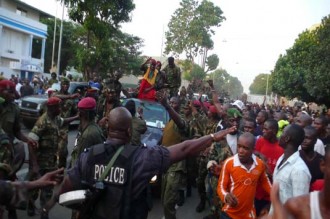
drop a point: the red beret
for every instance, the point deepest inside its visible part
(53, 101)
(196, 103)
(87, 103)
(7, 84)
(213, 109)
(153, 62)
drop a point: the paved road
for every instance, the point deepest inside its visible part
(59, 212)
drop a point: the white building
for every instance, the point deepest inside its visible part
(22, 39)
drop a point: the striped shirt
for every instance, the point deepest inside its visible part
(242, 183)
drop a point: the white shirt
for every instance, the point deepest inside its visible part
(293, 177)
(232, 142)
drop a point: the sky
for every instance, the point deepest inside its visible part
(248, 42)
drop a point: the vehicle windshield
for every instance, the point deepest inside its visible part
(154, 114)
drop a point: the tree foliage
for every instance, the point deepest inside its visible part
(259, 84)
(70, 43)
(103, 47)
(304, 70)
(194, 72)
(228, 85)
(191, 28)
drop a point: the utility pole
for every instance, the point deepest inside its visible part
(60, 44)
(54, 40)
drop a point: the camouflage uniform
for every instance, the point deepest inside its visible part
(9, 122)
(175, 177)
(86, 138)
(11, 196)
(210, 127)
(196, 124)
(68, 108)
(139, 127)
(219, 152)
(46, 131)
(173, 79)
(5, 153)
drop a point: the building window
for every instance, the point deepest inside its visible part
(21, 12)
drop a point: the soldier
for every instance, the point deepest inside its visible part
(219, 152)
(114, 82)
(105, 105)
(210, 127)
(13, 193)
(175, 131)
(68, 108)
(121, 197)
(10, 123)
(173, 76)
(139, 126)
(89, 133)
(46, 132)
(53, 79)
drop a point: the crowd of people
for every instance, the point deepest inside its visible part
(233, 152)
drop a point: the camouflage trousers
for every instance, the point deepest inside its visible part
(215, 201)
(202, 173)
(45, 193)
(62, 152)
(172, 182)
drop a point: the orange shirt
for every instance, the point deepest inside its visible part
(242, 183)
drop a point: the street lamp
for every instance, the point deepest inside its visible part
(267, 81)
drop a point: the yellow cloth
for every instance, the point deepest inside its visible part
(152, 80)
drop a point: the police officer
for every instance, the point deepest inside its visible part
(132, 170)
(46, 131)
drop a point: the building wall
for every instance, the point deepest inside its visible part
(16, 36)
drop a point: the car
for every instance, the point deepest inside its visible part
(156, 117)
(33, 106)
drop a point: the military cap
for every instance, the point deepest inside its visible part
(7, 84)
(87, 103)
(233, 113)
(65, 80)
(196, 103)
(153, 62)
(53, 101)
(213, 109)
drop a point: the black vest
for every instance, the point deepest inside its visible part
(115, 203)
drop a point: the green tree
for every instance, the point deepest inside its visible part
(304, 70)
(196, 72)
(70, 43)
(259, 84)
(105, 47)
(191, 28)
(227, 85)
